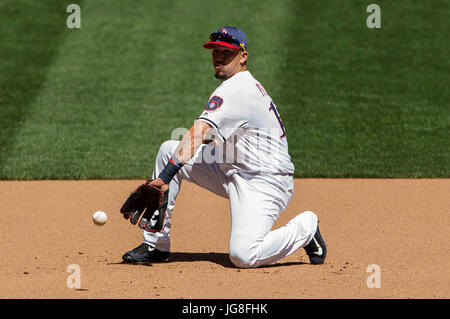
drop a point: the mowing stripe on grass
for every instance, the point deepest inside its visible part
(355, 102)
(360, 102)
(30, 33)
(126, 79)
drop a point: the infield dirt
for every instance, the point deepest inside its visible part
(401, 225)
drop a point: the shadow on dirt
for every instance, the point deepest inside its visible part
(221, 259)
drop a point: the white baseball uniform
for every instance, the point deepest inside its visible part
(250, 166)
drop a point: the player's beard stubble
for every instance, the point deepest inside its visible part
(223, 75)
(220, 75)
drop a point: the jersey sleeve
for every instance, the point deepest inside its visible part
(226, 113)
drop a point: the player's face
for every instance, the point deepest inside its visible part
(227, 61)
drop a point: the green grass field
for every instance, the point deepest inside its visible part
(97, 102)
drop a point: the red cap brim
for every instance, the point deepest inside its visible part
(210, 45)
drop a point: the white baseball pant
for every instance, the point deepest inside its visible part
(256, 201)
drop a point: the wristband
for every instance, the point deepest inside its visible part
(170, 170)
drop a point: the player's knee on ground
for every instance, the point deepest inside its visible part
(243, 253)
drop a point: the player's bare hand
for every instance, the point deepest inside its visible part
(159, 183)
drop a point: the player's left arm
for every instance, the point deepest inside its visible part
(198, 134)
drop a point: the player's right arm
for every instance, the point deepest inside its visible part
(198, 134)
(153, 195)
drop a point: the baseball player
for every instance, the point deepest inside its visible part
(237, 149)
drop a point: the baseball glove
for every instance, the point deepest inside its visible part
(149, 202)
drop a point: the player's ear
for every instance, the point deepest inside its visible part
(244, 57)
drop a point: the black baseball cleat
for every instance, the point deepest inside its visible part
(144, 254)
(316, 249)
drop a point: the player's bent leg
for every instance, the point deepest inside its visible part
(205, 175)
(244, 251)
(265, 247)
(161, 240)
(255, 205)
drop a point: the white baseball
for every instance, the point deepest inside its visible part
(99, 218)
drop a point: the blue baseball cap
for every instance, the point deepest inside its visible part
(230, 37)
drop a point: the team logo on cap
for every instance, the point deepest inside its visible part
(214, 103)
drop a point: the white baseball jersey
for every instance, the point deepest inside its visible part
(255, 174)
(247, 121)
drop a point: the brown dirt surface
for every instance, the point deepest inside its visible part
(401, 225)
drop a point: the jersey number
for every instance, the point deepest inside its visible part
(275, 111)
